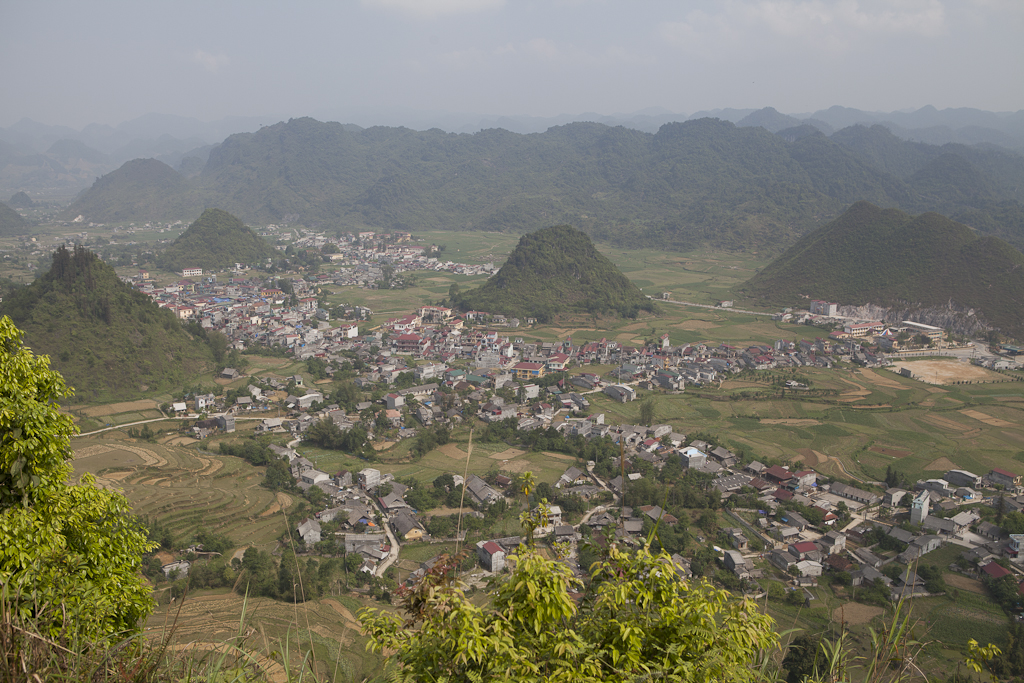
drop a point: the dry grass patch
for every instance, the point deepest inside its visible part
(810, 457)
(879, 380)
(945, 423)
(791, 421)
(695, 325)
(507, 454)
(945, 371)
(987, 419)
(964, 583)
(452, 451)
(126, 407)
(854, 613)
(941, 464)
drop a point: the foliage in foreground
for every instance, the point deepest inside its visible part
(69, 554)
(637, 620)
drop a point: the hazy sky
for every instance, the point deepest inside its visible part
(78, 62)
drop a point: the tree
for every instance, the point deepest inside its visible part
(638, 622)
(70, 555)
(647, 411)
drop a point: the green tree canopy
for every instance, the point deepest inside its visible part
(638, 621)
(69, 554)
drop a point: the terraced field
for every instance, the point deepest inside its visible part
(186, 489)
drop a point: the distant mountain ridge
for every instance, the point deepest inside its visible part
(551, 272)
(701, 182)
(887, 257)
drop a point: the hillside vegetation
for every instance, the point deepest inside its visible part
(108, 340)
(702, 182)
(12, 222)
(888, 257)
(216, 240)
(555, 271)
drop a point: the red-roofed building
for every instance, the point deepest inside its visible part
(801, 550)
(777, 474)
(1003, 477)
(995, 570)
(492, 557)
(783, 495)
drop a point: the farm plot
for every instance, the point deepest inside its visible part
(186, 489)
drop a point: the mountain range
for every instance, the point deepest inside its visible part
(38, 158)
(700, 182)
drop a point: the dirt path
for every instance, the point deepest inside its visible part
(791, 422)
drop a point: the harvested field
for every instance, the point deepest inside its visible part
(791, 422)
(945, 423)
(506, 454)
(695, 325)
(892, 452)
(987, 419)
(945, 371)
(126, 407)
(452, 451)
(881, 381)
(383, 446)
(515, 466)
(810, 457)
(854, 613)
(941, 464)
(559, 456)
(964, 583)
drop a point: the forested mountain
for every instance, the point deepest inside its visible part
(890, 258)
(216, 240)
(555, 271)
(12, 222)
(704, 181)
(108, 340)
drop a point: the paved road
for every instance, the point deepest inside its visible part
(717, 308)
(155, 419)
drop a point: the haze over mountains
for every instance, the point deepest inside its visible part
(61, 160)
(704, 181)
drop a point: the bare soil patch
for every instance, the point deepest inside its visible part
(945, 371)
(791, 421)
(987, 419)
(507, 454)
(892, 452)
(942, 464)
(181, 441)
(964, 583)
(854, 613)
(383, 446)
(125, 407)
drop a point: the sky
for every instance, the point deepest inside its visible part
(74, 63)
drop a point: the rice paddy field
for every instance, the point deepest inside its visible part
(851, 422)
